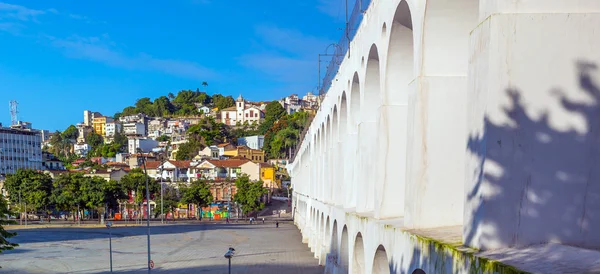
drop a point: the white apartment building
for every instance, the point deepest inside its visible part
(146, 145)
(19, 149)
(253, 142)
(82, 149)
(137, 129)
(112, 128)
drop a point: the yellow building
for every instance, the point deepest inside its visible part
(267, 175)
(99, 124)
(246, 152)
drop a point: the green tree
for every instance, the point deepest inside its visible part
(129, 111)
(66, 193)
(170, 199)
(94, 139)
(135, 180)
(248, 194)
(273, 112)
(5, 235)
(35, 188)
(197, 193)
(113, 192)
(144, 105)
(163, 107)
(163, 138)
(70, 133)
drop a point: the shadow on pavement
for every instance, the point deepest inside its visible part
(40, 235)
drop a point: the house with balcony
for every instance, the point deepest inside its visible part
(218, 169)
(174, 171)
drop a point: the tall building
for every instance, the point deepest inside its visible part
(100, 124)
(253, 142)
(20, 148)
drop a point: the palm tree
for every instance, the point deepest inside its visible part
(171, 95)
(205, 84)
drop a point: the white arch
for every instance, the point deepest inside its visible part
(380, 262)
(393, 116)
(344, 257)
(437, 116)
(358, 261)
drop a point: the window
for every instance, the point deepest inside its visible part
(246, 115)
(251, 113)
(226, 115)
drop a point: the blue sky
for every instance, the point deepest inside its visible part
(58, 58)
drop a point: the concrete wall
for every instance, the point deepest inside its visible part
(472, 113)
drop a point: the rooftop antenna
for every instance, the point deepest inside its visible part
(13, 112)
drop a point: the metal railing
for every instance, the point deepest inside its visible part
(354, 20)
(343, 46)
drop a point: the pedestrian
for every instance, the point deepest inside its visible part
(277, 224)
(263, 220)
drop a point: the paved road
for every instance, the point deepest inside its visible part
(175, 249)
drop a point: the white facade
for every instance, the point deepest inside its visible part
(146, 145)
(241, 112)
(137, 129)
(82, 149)
(112, 128)
(253, 142)
(19, 149)
(465, 120)
(204, 110)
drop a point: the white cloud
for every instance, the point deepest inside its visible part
(103, 50)
(20, 13)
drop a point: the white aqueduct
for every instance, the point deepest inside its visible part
(457, 133)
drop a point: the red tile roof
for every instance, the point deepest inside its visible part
(223, 145)
(180, 164)
(152, 164)
(229, 162)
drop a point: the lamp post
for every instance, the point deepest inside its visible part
(147, 209)
(229, 255)
(108, 225)
(162, 190)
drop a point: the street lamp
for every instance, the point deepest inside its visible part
(147, 208)
(229, 255)
(108, 225)
(162, 211)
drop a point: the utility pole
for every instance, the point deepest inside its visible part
(147, 211)
(162, 191)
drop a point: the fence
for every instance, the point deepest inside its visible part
(354, 20)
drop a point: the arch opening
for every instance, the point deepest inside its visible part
(380, 262)
(354, 103)
(344, 257)
(372, 86)
(358, 262)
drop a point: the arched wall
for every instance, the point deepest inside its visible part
(336, 160)
(393, 116)
(366, 131)
(345, 153)
(437, 116)
(353, 143)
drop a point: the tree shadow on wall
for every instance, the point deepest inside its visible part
(541, 182)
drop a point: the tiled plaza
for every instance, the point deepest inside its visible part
(183, 248)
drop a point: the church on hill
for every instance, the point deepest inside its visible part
(242, 111)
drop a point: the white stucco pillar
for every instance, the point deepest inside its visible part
(351, 183)
(391, 161)
(366, 170)
(340, 190)
(534, 95)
